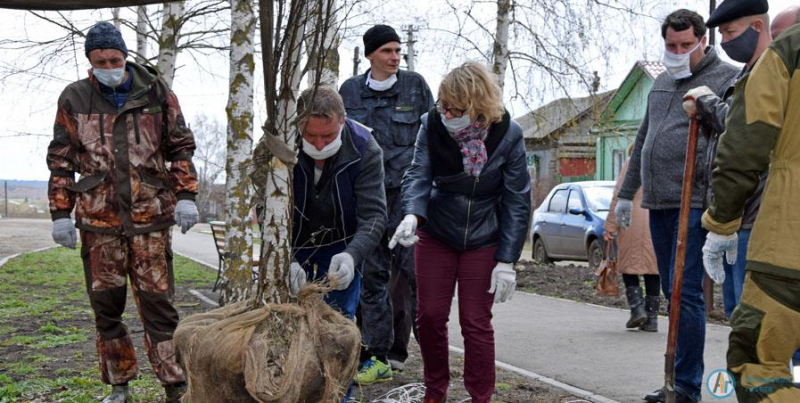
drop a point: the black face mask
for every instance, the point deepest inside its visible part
(743, 46)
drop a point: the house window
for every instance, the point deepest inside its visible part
(618, 159)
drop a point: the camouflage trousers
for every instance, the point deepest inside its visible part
(765, 332)
(108, 261)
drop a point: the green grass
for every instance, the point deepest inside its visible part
(43, 300)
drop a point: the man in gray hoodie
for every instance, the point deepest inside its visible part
(657, 166)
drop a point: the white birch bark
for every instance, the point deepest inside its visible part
(276, 245)
(141, 34)
(238, 229)
(329, 66)
(168, 41)
(500, 50)
(115, 15)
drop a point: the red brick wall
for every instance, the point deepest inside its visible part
(576, 166)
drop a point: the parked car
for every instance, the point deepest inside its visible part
(568, 225)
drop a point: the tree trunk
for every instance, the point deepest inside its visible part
(238, 229)
(500, 50)
(276, 246)
(328, 65)
(115, 18)
(141, 34)
(168, 42)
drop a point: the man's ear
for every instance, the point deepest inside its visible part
(758, 25)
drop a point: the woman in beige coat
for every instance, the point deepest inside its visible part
(635, 257)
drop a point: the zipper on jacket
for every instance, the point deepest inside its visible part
(102, 130)
(136, 126)
(469, 210)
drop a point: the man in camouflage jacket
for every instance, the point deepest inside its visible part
(118, 129)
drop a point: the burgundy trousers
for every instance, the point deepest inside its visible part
(439, 268)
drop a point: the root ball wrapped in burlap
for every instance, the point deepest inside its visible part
(304, 352)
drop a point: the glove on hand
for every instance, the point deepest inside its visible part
(64, 233)
(404, 234)
(186, 215)
(503, 282)
(623, 212)
(717, 245)
(343, 269)
(691, 97)
(297, 278)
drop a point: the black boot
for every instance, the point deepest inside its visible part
(638, 314)
(651, 305)
(174, 392)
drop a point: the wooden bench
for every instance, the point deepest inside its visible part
(218, 232)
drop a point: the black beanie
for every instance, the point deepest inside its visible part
(378, 36)
(104, 35)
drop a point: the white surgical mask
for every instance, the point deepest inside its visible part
(109, 77)
(455, 125)
(328, 151)
(679, 66)
(381, 85)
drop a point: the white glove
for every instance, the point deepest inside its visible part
(64, 233)
(691, 97)
(186, 215)
(717, 245)
(623, 212)
(342, 269)
(297, 278)
(404, 234)
(503, 282)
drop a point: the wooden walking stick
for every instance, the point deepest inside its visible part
(680, 257)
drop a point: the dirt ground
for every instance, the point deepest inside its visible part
(577, 283)
(509, 386)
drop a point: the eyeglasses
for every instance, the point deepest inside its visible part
(454, 112)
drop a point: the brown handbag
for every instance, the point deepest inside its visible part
(606, 283)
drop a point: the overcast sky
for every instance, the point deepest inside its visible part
(28, 104)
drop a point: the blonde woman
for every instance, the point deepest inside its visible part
(468, 191)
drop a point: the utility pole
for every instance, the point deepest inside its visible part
(356, 60)
(410, 29)
(6, 186)
(711, 35)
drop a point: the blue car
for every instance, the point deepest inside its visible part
(568, 225)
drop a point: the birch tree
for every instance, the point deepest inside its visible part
(141, 35)
(237, 277)
(168, 40)
(500, 50)
(285, 27)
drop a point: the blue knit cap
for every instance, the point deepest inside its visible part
(104, 35)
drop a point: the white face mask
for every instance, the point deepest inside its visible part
(328, 151)
(109, 77)
(381, 85)
(455, 125)
(679, 66)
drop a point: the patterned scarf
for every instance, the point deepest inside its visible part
(473, 150)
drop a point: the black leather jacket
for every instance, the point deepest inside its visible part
(466, 213)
